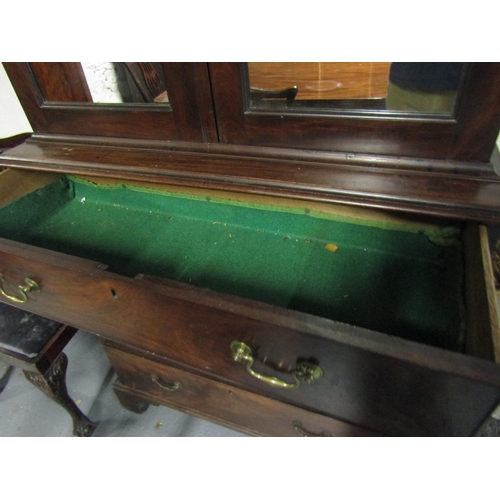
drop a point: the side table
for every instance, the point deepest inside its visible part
(35, 345)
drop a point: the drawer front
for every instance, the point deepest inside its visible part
(222, 403)
(372, 380)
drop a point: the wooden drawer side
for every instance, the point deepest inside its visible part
(483, 325)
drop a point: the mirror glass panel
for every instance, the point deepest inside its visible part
(360, 86)
(102, 82)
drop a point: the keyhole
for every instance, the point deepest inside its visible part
(114, 294)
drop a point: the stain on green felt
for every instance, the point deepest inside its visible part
(389, 279)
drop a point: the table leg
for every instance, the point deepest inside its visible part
(53, 384)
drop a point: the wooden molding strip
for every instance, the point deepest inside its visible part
(465, 194)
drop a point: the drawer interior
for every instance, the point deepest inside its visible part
(401, 278)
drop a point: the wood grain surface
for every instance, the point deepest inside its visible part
(222, 403)
(323, 80)
(420, 188)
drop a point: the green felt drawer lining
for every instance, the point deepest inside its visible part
(389, 278)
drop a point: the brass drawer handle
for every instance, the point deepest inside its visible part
(167, 387)
(31, 286)
(300, 429)
(308, 372)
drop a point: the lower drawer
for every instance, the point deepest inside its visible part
(221, 403)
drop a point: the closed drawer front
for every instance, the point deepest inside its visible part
(221, 403)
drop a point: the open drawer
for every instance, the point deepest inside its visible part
(384, 322)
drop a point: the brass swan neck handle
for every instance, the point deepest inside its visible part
(31, 286)
(305, 371)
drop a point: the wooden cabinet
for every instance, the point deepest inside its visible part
(56, 99)
(254, 283)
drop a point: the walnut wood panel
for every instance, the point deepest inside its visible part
(190, 119)
(62, 82)
(372, 380)
(222, 403)
(323, 80)
(191, 99)
(425, 188)
(376, 133)
(478, 116)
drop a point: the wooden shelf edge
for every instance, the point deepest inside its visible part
(439, 189)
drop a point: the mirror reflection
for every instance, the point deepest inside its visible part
(399, 86)
(127, 82)
(102, 82)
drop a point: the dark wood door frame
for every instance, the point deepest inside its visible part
(461, 137)
(189, 117)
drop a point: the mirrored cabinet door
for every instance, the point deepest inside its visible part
(142, 100)
(427, 110)
(444, 111)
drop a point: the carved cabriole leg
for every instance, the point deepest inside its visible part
(53, 384)
(129, 401)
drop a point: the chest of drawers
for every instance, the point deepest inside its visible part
(281, 271)
(237, 308)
